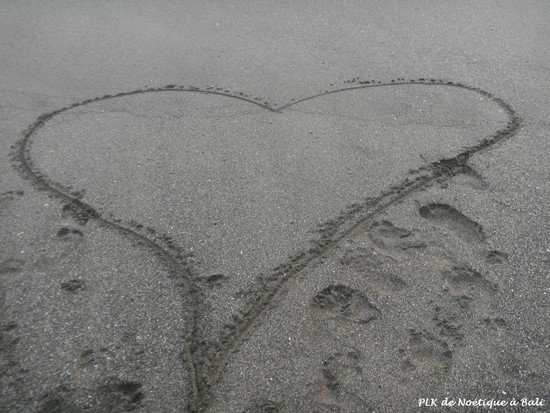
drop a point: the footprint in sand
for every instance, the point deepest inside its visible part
(267, 406)
(114, 395)
(119, 395)
(496, 257)
(470, 296)
(362, 258)
(467, 284)
(380, 281)
(469, 178)
(428, 358)
(214, 280)
(384, 243)
(340, 301)
(341, 382)
(57, 400)
(7, 197)
(385, 235)
(68, 234)
(62, 245)
(11, 265)
(447, 217)
(73, 285)
(449, 319)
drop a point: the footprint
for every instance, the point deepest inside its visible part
(11, 194)
(496, 257)
(498, 322)
(364, 261)
(78, 211)
(62, 245)
(446, 216)
(86, 357)
(470, 177)
(385, 235)
(341, 382)
(362, 258)
(339, 368)
(385, 282)
(215, 280)
(10, 266)
(385, 230)
(449, 319)
(266, 406)
(468, 283)
(494, 323)
(7, 197)
(469, 299)
(73, 285)
(119, 396)
(67, 234)
(114, 395)
(456, 320)
(57, 400)
(512, 366)
(385, 242)
(340, 301)
(429, 358)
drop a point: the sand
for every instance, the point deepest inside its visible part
(351, 223)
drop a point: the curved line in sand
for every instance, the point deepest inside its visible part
(342, 226)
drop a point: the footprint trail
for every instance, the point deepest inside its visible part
(205, 370)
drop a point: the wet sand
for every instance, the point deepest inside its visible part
(351, 223)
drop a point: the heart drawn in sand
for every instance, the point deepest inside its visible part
(248, 192)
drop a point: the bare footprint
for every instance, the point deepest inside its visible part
(445, 216)
(340, 301)
(470, 177)
(57, 400)
(384, 243)
(450, 319)
(62, 245)
(341, 382)
(384, 234)
(119, 395)
(267, 406)
(468, 283)
(73, 285)
(68, 234)
(428, 358)
(113, 395)
(362, 258)
(7, 197)
(465, 306)
(11, 265)
(496, 257)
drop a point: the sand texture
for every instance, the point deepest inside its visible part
(233, 207)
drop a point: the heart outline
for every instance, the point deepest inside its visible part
(332, 232)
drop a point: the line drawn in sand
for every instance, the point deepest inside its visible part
(205, 371)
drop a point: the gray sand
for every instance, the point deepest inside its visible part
(255, 208)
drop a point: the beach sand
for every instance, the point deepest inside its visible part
(259, 208)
